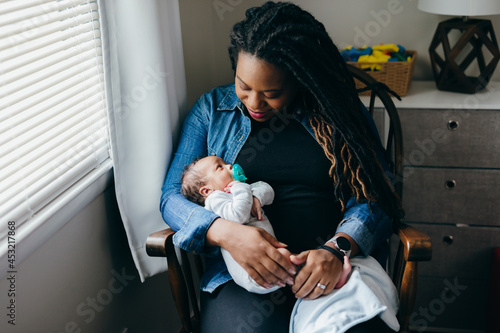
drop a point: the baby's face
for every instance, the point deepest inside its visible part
(218, 173)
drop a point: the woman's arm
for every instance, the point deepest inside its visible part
(367, 224)
(189, 220)
(254, 249)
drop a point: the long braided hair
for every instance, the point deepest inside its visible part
(291, 39)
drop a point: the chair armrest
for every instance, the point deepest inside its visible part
(417, 245)
(158, 242)
(414, 246)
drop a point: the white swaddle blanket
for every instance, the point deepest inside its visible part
(368, 293)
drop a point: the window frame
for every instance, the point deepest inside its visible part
(24, 239)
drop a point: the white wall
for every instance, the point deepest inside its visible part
(83, 280)
(206, 30)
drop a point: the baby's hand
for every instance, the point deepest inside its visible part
(346, 269)
(227, 189)
(256, 209)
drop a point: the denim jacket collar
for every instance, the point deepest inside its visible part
(230, 102)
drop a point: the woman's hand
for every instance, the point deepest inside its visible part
(320, 267)
(253, 249)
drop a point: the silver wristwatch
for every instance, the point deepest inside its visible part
(342, 244)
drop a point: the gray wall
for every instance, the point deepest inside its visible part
(205, 32)
(83, 280)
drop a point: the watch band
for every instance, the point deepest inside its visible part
(336, 253)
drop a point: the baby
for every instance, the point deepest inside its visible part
(210, 181)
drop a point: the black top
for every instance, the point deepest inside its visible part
(281, 152)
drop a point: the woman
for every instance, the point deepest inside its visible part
(292, 119)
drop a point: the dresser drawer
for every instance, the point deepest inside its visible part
(440, 195)
(460, 138)
(450, 305)
(464, 252)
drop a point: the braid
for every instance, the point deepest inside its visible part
(293, 40)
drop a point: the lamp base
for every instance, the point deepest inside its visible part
(450, 70)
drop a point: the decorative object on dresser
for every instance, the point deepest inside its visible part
(451, 192)
(454, 61)
(389, 64)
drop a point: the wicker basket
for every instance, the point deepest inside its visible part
(396, 75)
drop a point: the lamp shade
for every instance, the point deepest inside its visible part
(460, 7)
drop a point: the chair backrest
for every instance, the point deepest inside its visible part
(394, 140)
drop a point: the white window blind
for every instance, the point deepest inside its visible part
(53, 120)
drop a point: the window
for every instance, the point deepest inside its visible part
(53, 120)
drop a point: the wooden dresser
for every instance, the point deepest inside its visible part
(452, 193)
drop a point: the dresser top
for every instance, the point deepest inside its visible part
(425, 95)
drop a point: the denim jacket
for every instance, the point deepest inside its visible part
(216, 125)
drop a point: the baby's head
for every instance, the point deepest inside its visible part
(205, 175)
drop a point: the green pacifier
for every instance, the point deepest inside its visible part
(238, 173)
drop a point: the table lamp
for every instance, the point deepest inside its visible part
(463, 47)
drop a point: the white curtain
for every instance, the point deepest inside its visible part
(145, 86)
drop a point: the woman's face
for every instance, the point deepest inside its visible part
(263, 88)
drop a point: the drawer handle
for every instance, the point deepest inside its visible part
(450, 184)
(452, 125)
(448, 240)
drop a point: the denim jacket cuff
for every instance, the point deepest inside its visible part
(359, 232)
(191, 237)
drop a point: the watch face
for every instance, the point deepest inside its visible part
(343, 243)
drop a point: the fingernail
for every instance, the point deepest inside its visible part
(281, 284)
(292, 271)
(290, 281)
